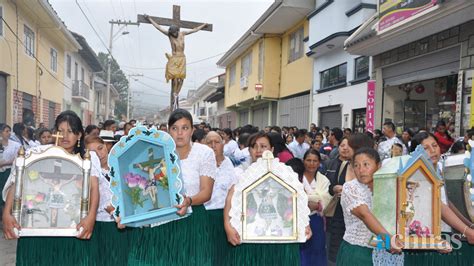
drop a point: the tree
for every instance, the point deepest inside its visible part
(118, 80)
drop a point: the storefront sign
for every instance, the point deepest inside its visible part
(457, 119)
(370, 110)
(392, 12)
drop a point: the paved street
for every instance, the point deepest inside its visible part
(7, 250)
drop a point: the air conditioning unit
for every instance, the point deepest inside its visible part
(244, 83)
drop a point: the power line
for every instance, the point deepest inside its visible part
(162, 68)
(92, 15)
(95, 31)
(151, 87)
(34, 56)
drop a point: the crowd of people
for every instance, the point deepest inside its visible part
(335, 166)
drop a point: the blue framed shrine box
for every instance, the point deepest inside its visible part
(145, 178)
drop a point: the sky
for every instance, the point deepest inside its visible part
(142, 50)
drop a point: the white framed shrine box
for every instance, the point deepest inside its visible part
(145, 178)
(269, 204)
(51, 192)
(407, 201)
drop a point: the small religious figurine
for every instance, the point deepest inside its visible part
(151, 189)
(266, 210)
(410, 207)
(56, 197)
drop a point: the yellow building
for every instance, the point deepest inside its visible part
(33, 42)
(268, 75)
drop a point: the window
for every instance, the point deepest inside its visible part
(68, 66)
(361, 67)
(1, 21)
(232, 75)
(246, 67)
(82, 74)
(202, 111)
(260, 61)
(334, 76)
(296, 45)
(29, 42)
(54, 59)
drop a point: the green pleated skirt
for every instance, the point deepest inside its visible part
(181, 242)
(462, 254)
(112, 243)
(201, 240)
(49, 251)
(353, 255)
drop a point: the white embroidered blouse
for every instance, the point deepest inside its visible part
(105, 197)
(224, 179)
(355, 194)
(201, 161)
(9, 153)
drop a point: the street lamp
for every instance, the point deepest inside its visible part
(112, 38)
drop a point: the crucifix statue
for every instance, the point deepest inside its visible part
(176, 66)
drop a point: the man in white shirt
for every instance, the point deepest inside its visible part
(385, 147)
(298, 147)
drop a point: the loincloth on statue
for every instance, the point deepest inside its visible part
(176, 67)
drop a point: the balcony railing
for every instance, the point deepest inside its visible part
(80, 91)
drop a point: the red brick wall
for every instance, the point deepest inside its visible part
(39, 117)
(45, 113)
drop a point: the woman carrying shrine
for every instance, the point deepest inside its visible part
(258, 254)
(58, 250)
(185, 241)
(462, 251)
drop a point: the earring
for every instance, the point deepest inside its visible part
(78, 143)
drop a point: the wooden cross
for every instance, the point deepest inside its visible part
(152, 162)
(176, 20)
(268, 156)
(57, 136)
(57, 173)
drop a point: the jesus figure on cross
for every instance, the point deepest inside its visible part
(176, 66)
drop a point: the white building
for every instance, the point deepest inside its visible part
(99, 99)
(202, 110)
(79, 78)
(223, 117)
(339, 78)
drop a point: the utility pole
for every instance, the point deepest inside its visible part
(129, 92)
(109, 63)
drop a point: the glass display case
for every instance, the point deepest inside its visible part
(414, 114)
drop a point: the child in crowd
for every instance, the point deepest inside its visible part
(361, 224)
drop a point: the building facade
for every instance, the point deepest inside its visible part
(79, 94)
(33, 44)
(223, 118)
(339, 93)
(268, 76)
(100, 92)
(422, 65)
